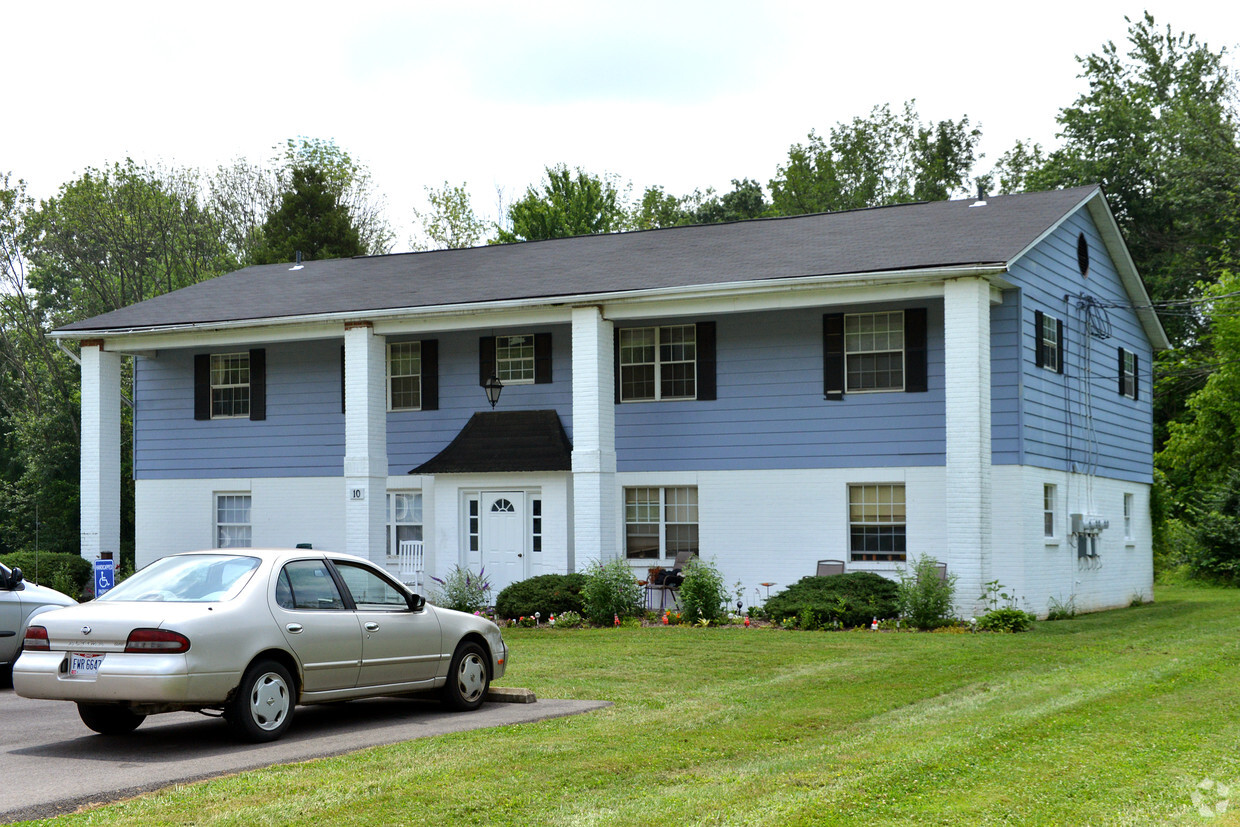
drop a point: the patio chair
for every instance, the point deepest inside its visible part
(942, 572)
(826, 568)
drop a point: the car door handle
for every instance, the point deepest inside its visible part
(294, 628)
(372, 626)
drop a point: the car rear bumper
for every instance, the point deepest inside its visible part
(137, 678)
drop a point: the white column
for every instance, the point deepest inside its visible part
(966, 311)
(594, 438)
(365, 442)
(100, 475)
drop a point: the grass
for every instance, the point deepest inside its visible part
(1112, 718)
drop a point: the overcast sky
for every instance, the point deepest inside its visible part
(682, 94)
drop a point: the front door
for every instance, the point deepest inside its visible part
(503, 538)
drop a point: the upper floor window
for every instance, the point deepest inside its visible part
(405, 376)
(874, 352)
(1048, 341)
(231, 385)
(514, 359)
(658, 363)
(1127, 373)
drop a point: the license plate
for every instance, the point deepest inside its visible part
(85, 667)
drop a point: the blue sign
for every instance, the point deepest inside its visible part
(105, 576)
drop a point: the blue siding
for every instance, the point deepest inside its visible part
(1006, 373)
(417, 436)
(770, 412)
(302, 436)
(1078, 421)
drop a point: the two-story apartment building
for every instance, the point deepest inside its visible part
(968, 380)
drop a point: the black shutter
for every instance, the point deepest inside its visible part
(1136, 377)
(1039, 354)
(486, 359)
(258, 384)
(1121, 372)
(915, 350)
(833, 356)
(542, 358)
(1063, 345)
(706, 384)
(615, 354)
(342, 378)
(202, 386)
(430, 374)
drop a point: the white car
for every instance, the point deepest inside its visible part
(252, 633)
(21, 600)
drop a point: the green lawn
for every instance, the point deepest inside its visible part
(1112, 718)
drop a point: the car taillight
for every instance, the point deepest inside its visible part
(36, 640)
(156, 640)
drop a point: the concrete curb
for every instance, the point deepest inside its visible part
(510, 695)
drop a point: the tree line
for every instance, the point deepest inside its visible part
(1156, 127)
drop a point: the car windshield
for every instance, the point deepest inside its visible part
(191, 578)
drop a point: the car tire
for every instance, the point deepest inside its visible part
(110, 719)
(468, 678)
(262, 707)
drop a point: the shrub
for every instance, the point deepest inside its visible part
(853, 599)
(568, 620)
(1006, 619)
(549, 594)
(927, 600)
(1057, 609)
(463, 590)
(1216, 556)
(610, 590)
(67, 573)
(702, 593)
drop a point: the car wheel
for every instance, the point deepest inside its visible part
(110, 719)
(262, 707)
(468, 678)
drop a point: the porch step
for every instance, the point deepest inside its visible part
(510, 695)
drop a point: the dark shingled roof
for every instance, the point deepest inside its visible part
(900, 237)
(505, 441)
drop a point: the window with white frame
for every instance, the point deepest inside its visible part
(404, 376)
(1128, 375)
(874, 351)
(1049, 342)
(658, 363)
(514, 359)
(1048, 510)
(404, 519)
(536, 524)
(232, 521)
(876, 522)
(660, 521)
(1127, 516)
(473, 522)
(230, 385)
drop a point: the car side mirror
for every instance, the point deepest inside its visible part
(416, 602)
(15, 579)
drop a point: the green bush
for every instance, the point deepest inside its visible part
(610, 590)
(568, 620)
(1216, 528)
(852, 599)
(927, 600)
(702, 593)
(463, 591)
(68, 573)
(1007, 619)
(548, 594)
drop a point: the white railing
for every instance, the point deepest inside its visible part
(412, 562)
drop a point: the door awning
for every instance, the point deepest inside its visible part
(494, 441)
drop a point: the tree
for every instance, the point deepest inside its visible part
(883, 159)
(746, 200)
(567, 204)
(656, 208)
(450, 223)
(310, 221)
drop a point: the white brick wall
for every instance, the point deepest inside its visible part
(365, 459)
(100, 471)
(594, 436)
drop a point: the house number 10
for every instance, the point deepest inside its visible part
(357, 494)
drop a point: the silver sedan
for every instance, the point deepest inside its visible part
(251, 633)
(21, 600)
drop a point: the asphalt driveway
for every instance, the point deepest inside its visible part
(62, 765)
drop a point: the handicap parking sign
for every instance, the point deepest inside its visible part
(105, 576)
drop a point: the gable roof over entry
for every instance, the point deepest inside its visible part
(903, 238)
(494, 441)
